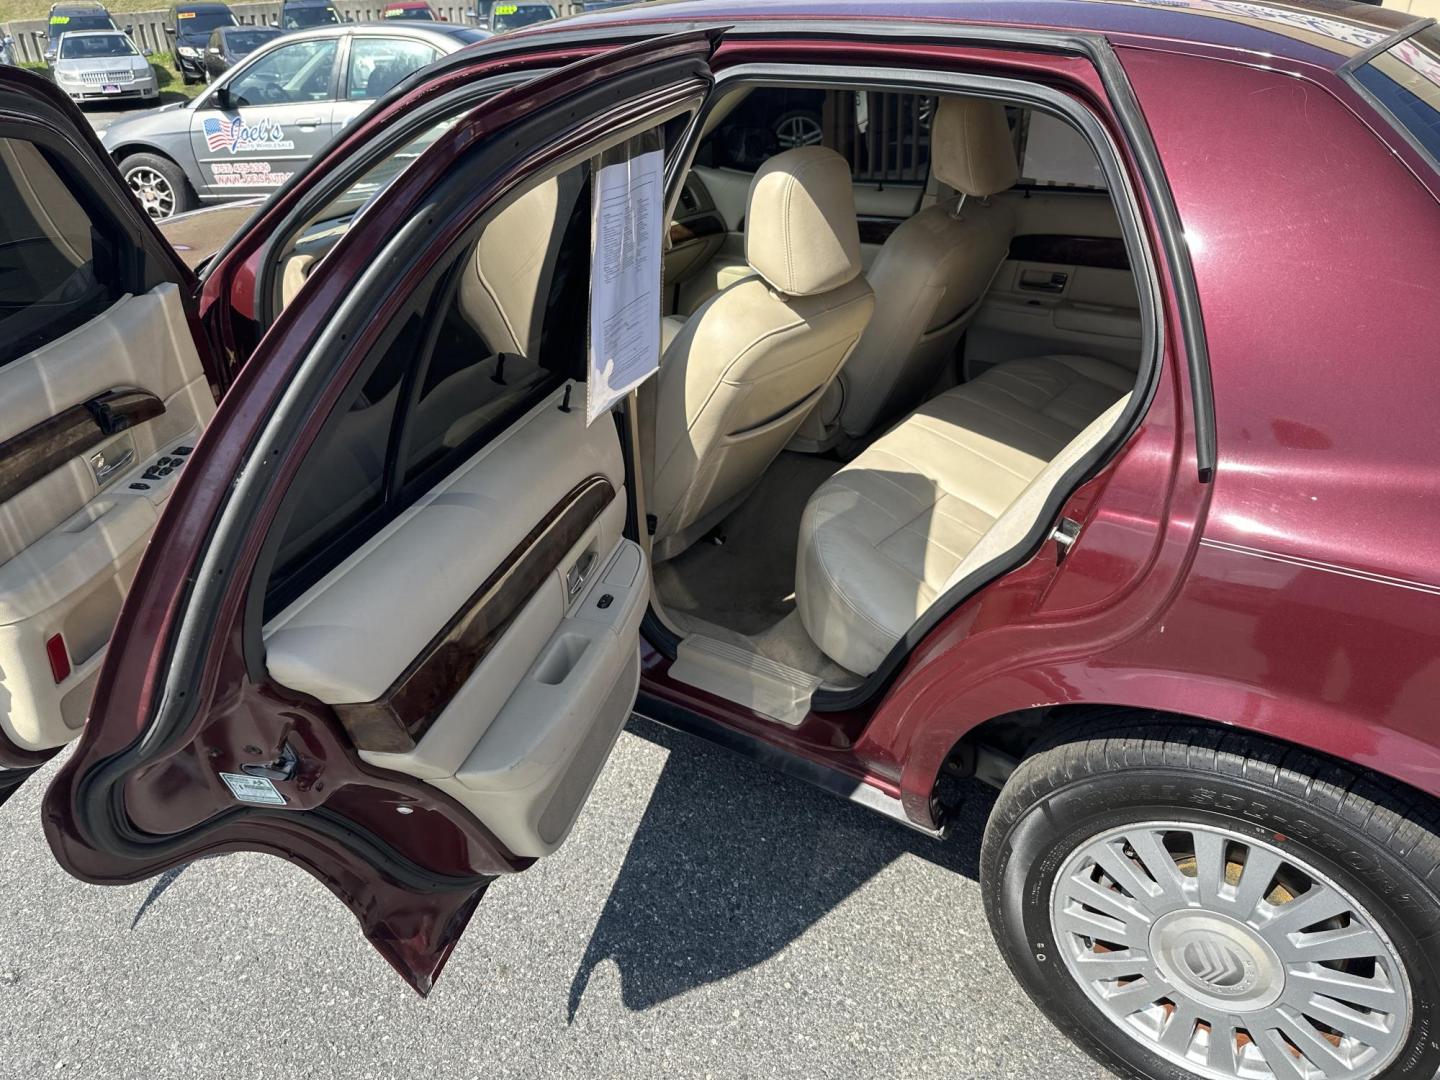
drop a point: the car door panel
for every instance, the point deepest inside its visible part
(69, 540)
(493, 701)
(282, 117)
(508, 728)
(1065, 286)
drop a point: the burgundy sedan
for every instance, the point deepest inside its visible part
(1055, 410)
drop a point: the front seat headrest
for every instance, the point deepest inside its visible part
(970, 146)
(800, 230)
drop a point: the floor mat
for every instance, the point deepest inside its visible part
(747, 584)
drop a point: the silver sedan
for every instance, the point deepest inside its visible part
(103, 65)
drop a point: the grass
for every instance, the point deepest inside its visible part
(39, 9)
(172, 87)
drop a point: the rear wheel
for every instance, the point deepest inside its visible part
(159, 184)
(1186, 902)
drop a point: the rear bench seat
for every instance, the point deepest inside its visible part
(896, 527)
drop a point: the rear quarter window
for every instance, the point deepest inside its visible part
(1404, 84)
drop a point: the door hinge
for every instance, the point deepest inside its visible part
(282, 768)
(1065, 535)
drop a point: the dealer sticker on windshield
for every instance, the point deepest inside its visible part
(253, 789)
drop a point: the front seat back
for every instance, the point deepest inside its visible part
(750, 363)
(933, 272)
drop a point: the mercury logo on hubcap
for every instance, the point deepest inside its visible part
(1217, 965)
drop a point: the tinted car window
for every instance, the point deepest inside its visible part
(65, 24)
(298, 18)
(289, 74)
(57, 269)
(377, 64)
(885, 136)
(513, 16)
(1405, 79)
(241, 42)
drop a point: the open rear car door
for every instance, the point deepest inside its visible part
(388, 627)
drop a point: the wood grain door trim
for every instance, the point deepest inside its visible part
(397, 720)
(37, 451)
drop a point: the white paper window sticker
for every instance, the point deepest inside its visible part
(625, 262)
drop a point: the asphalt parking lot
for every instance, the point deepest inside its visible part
(707, 918)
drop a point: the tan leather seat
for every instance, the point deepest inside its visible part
(952, 486)
(933, 271)
(744, 371)
(499, 291)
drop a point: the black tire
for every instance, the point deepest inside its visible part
(182, 196)
(1372, 838)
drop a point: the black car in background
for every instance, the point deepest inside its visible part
(228, 44)
(191, 25)
(304, 14)
(76, 16)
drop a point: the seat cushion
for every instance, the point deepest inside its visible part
(883, 537)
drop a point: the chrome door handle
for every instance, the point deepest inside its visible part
(309, 121)
(105, 469)
(575, 579)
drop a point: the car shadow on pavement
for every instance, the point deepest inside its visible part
(731, 862)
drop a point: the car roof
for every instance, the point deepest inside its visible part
(1326, 32)
(201, 5)
(422, 28)
(79, 7)
(407, 4)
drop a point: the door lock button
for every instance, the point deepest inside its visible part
(605, 601)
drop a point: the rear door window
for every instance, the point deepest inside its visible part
(377, 64)
(59, 267)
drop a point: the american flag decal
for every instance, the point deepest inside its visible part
(218, 133)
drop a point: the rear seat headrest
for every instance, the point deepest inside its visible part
(970, 146)
(801, 234)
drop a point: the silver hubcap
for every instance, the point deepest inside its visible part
(1228, 956)
(153, 190)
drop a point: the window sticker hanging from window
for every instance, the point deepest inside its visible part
(625, 260)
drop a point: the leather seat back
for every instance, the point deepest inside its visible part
(500, 291)
(934, 269)
(741, 376)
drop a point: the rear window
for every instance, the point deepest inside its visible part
(69, 24)
(513, 16)
(1405, 82)
(244, 41)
